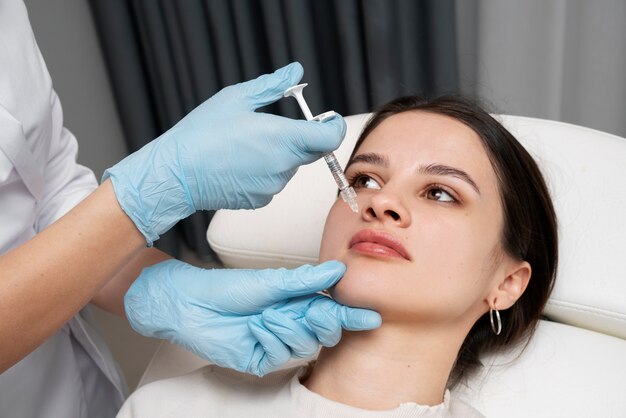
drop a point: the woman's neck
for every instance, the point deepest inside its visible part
(383, 368)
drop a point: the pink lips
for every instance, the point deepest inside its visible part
(378, 243)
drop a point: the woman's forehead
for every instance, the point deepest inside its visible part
(411, 141)
(420, 134)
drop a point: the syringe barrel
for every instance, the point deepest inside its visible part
(336, 171)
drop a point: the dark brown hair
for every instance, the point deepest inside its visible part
(529, 229)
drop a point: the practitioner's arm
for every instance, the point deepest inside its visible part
(111, 296)
(45, 281)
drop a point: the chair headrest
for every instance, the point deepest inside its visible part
(584, 169)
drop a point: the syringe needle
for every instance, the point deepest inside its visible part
(345, 190)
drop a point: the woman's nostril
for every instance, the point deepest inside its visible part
(371, 212)
(392, 214)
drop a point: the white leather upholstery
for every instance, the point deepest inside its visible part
(565, 371)
(575, 366)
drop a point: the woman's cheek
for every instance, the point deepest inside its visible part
(358, 289)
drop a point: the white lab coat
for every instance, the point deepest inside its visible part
(73, 373)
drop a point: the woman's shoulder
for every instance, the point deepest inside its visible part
(202, 390)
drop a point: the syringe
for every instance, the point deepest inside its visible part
(345, 190)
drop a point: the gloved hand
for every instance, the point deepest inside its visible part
(248, 320)
(222, 155)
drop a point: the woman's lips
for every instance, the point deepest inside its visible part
(372, 242)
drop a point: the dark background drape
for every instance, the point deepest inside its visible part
(164, 57)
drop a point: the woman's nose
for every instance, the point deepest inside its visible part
(386, 207)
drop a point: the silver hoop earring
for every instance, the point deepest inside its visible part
(496, 329)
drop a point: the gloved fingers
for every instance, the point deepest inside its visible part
(309, 140)
(147, 295)
(269, 88)
(138, 309)
(325, 325)
(270, 353)
(284, 284)
(352, 319)
(291, 332)
(244, 291)
(357, 319)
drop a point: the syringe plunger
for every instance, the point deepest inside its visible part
(347, 193)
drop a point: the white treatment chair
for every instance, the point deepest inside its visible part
(575, 365)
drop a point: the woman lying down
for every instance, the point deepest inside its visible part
(454, 219)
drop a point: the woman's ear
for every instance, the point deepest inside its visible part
(511, 288)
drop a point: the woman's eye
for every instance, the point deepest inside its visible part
(440, 195)
(365, 182)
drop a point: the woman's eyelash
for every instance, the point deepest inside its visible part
(354, 177)
(444, 189)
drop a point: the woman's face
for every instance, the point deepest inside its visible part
(426, 241)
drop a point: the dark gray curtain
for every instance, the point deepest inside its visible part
(166, 56)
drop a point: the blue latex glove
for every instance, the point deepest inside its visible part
(248, 320)
(222, 155)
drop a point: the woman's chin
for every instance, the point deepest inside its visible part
(357, 290)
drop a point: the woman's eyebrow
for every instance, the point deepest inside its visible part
(431, 169)
(369, 158)
(445, 170)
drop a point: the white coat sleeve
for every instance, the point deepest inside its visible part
(66, 181)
